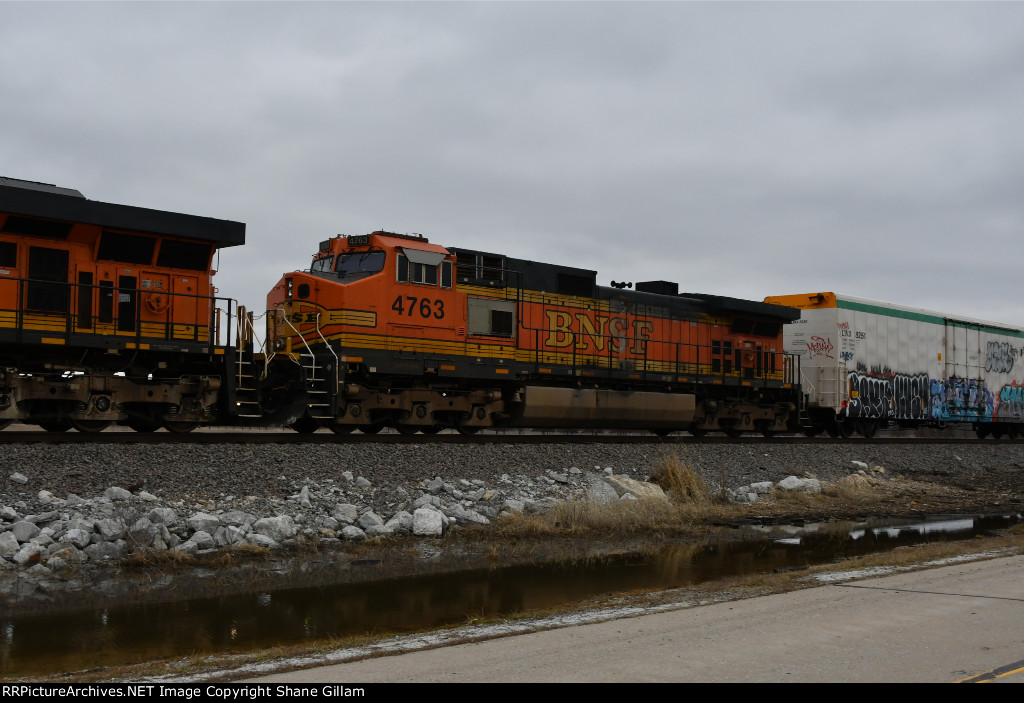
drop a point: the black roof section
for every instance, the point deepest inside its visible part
(570, 280)
(718, 303)
(28, 198)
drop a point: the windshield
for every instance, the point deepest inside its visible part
(322, 264)
(365, 262)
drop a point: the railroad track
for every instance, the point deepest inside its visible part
(234, 436)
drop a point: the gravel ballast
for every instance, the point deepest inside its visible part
(204, 472)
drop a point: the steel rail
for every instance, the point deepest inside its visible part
(237, 436)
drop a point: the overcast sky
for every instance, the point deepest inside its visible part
(873, 149)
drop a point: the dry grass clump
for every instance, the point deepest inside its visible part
(146, 557)
(680, 480)
(691, 503)
(241, 552)
(618, 518)
(849, 487)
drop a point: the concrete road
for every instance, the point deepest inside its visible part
(948, 624)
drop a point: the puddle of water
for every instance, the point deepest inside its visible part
(115, 636)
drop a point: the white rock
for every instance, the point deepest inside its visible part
(427, 523)
(370, 519)
(794, 483)
(117, 493)
(79, 538)
(203, 522)
(639, 489)
(28, 554)
(9, 545)
(24, 530)
(276, 528)
(352, 533)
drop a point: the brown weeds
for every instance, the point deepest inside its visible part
(680, 480)
(239, 553)
(145, 557)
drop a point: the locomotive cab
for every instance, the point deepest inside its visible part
(383, 291)
(380, 281)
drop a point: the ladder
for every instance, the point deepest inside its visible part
(321, 379)
(248, 371)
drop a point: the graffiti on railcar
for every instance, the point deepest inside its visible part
(882, 393)
(885, 394)
(957, 398)
(999, 357)
(1011, 402)
(820, 346)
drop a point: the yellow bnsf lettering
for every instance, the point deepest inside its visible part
(594, 332)
(620, 329)
(559, 328)
(641, 333)
(591, 333)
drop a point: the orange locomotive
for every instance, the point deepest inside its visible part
(107, 313)
(389, 329)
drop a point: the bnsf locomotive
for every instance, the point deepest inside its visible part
(391, 329)
(108, 314)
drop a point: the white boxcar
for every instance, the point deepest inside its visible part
(866, 364)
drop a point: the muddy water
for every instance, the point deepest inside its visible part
(112, 636)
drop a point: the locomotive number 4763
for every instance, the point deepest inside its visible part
(426, 307)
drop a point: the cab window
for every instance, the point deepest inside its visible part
(322, 264)
(359, 263)
(425, 274)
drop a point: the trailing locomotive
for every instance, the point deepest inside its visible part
(108, 313)
(387, 329)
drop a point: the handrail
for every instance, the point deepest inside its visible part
(304, 343)
(140, 325)
(330, 349)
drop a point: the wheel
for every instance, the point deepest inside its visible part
(867, 428)
(5, 423)
(341, 429)
(812, 431)
(60, 424)
(141, 424)
(1014, 431)
(662, 432)
(371, 429)
(982, 431)
(697, 431)
(833, 430)
(844, 428)
(431, 429)
(90, 426)
(731, 430)
(305, 425)
(468, 429)
(180, 427)
(402, 428)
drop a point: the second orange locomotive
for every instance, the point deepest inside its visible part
(388, 329)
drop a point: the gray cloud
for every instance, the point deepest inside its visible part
(743, 149)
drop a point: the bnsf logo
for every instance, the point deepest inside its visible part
(564, 327)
